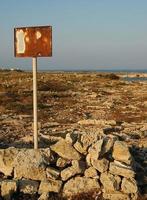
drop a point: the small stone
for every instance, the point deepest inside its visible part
(52, 173)
(95, 149)
(116, 196)
(110, 182)
(28, 186)
(7, 157)
(44, 196)
(121, 152)
(71, 137)
(80, 148)
(50, 186)
(108, 145)
(65, 150)
(76, 168)
(8, 188)
(91, 172)
(79, 185)
(61, 162)
(129, 185)
(101, 165)
(118, 168)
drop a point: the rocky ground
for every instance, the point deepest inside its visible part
(81, 104)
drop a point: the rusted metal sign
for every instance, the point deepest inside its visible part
(33, 41)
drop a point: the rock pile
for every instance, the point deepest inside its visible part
(76, 164)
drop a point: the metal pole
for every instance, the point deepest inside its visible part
(35, 102)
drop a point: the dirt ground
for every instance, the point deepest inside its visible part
(67, 102)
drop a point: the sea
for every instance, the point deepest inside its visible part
(124, 71)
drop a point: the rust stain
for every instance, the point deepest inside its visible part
(33, 41)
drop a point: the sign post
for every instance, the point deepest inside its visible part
(35, 102)
(33, 42)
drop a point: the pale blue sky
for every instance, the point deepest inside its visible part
(87, 34)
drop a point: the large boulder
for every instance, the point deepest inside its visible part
(7, 157)
(65, 150)
(121, 152)
(118, 168)
(110, 182)
(79, 184)
(31, 164)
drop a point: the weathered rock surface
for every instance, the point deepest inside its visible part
(129, 185)
(28, 186)
(117, 168)
(50, 186)
(95, 149)
(44, 196)
(110, 182)
(91, 172)
(116, 196)
(52, 173)
(80, 184)
(121, 152)
(8, 188)
(30, 164)
(61, 162)
(100, 164)
(77, 167)
(65, 150)
(7, 157)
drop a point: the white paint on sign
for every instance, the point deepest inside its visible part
(20, 36)
(38, 34)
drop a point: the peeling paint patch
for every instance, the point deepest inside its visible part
(38, 35)
(20, 36)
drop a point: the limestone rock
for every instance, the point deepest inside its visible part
(129, 185)
(84, 141)
(110, 182)
(121, 152)
(28, 186)
(30, 164)
(91, 172)
(77, 167)
(71, 137)
(8, 187)
(7, 157)
(116, 196)
(52, 173)
(65, 150)
(101, 164)
(117, 168)
(61, 162)
(108, 144)
(79, 184)
(80, 148)
(95, 149)
(44, 196)
(50, 186)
